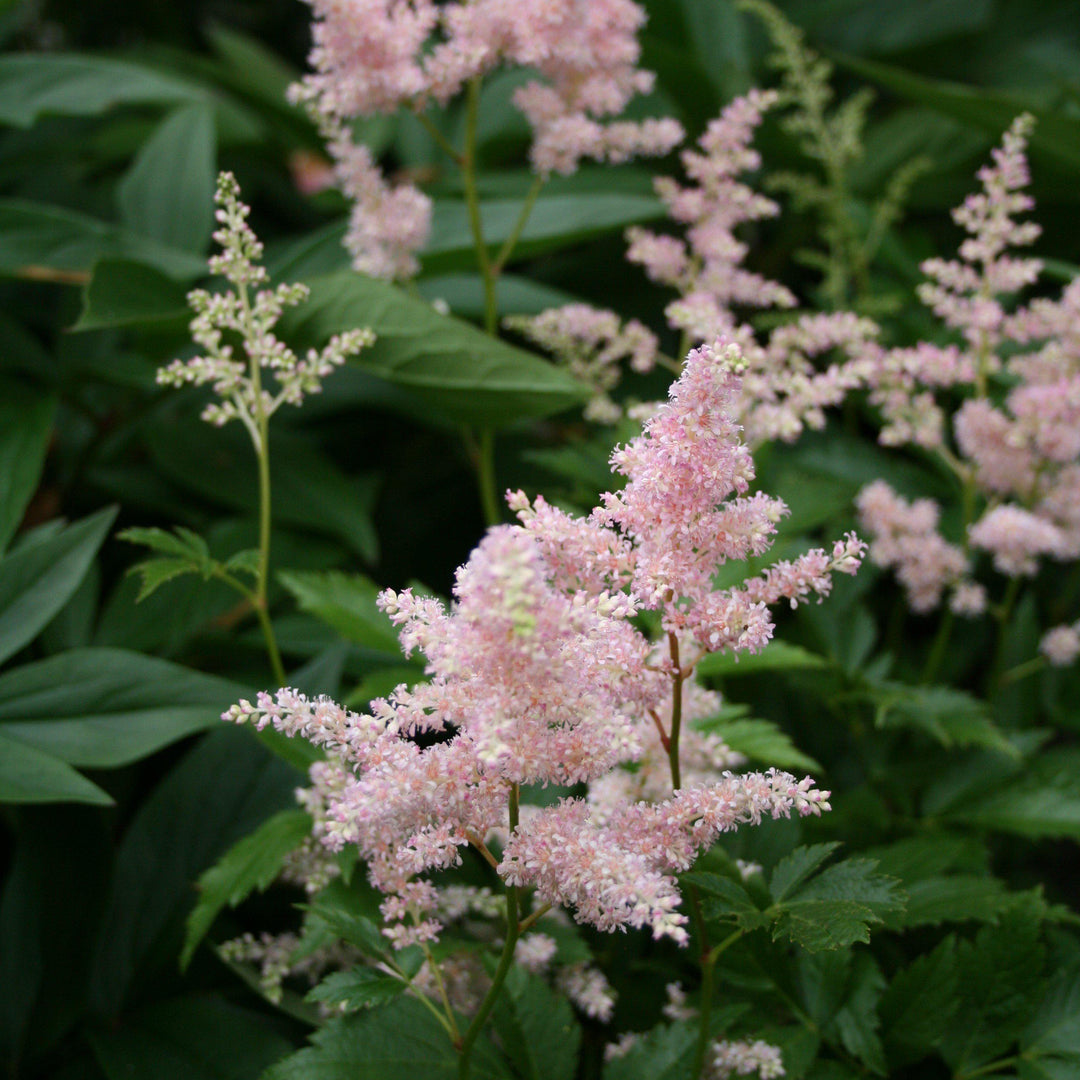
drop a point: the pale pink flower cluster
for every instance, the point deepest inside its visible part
(1061, 645)
(744, 1058)
(538, 675)
(588, 989)
(906, 539)
(1022, 452)
(252, 318)
(590, 343)
(279, 957)
(371, 56)
(783, 390)
(374, 56)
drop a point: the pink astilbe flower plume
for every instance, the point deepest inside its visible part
(538, 675)
(375, 56)
(784, 389)
(1019, 449)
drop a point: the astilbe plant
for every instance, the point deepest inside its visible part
(784, 389)
(380, 55)
(540, 675)
(1013, 442)
(245, 315)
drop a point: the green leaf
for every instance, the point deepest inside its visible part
(457, 369)
(557, 221)
(102, 708)
(402, 1041)
(65, 84)
(952, 717)
(727, 900)
(776, 656)
(219, 792)
(53, 244)
(536, 1028)
(664, 1053)
(918, 1007)
(26, 425)
(954, 898)
(795, 868)
(347, 603)
(39, 579)
(999, 977)
(360, 988)
(836, 907)
(1050, 1044)
(251, 864)
(1042, 801)
(759, 740)
(185, 552)
(151, 201)
(28, 775)
(126, 293)
(1056, 135)
(325, 916)
(857, 1020)
(203, 1037)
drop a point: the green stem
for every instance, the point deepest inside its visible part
(1022, 671)
(986, 1070)
(1003, 615)
(505, 960)
(434, 965)
(519, 227)
(261, 439)
(485, 476)
(676, 714)
(441, 140)
(527, 923)
(708, 984)
(939, 647)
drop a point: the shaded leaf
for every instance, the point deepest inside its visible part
(347, 603)
(102, 708)
(1050, 1044)
(536, 1028)
(999, 976)
(759, 740)
(458, 369)
(26, 424)
(50, 243)
(40, 578)
(250, 865)
(151, 201)
(360, 988)
(126, 293)
(837, 906)
(918, 1007)
(402, 1041)
(776, 656)
(65, 84)
(29, 775)
(219, 792)
(189, 1038)
(664, 1053)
